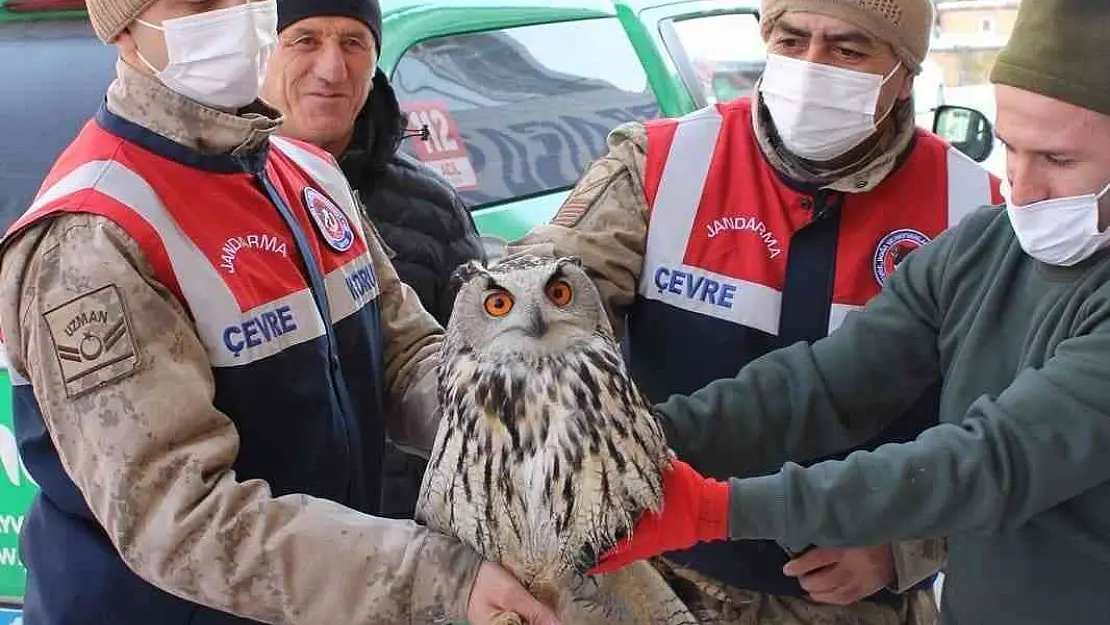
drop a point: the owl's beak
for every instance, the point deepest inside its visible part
(537, 326)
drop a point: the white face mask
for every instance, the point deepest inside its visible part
(218, 58)
(820, 111)
(1062, 231)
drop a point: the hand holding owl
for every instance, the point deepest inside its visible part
(695, 509)
(497, 593)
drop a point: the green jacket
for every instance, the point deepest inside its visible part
(1015, 476)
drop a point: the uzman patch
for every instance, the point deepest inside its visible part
(93, 341)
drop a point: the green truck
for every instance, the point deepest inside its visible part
(517, 96)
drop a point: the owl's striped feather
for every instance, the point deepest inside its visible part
(543, 464)
(547, 453)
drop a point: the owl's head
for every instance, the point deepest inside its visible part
(526, 306)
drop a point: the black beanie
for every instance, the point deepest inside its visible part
(366, 11)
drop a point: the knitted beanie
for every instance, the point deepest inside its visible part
(1058, 48)
(366, 11)
(110, 17)
(905, 24)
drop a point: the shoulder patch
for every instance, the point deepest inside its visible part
(893, 249)
(585, 194)
(92, 340)
(329, 219)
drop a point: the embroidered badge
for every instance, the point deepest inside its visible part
(329, 219)
(584, 197)
(893, 249)
(92, 340)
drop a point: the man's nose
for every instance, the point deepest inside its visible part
(331, 64)
(815, 53)
(1026, 184)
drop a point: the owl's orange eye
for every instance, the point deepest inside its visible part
(559, 292)
(498, 303)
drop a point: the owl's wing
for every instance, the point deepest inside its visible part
(442, 505)
(609, 453)
(467, 491)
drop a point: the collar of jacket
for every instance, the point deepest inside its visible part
(379, 130)
(887, 152)
(145, 102)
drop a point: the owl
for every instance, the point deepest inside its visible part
(547, 452)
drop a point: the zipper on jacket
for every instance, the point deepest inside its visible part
(320, 295)
(807, 289)
(823, 204)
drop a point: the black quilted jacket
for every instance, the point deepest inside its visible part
(429, 229)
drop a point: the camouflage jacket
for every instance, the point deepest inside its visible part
(291, 559)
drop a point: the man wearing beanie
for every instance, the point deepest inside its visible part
(764, 222)
(1009, 311)
(319, 76)
(208, 344)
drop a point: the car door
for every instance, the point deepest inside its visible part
(54, 74)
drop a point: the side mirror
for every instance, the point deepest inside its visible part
(968, 130)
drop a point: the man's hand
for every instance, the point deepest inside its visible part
(842, 576)
(695, 509)
(496, 592)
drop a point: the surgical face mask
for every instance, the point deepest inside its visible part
(218, 58)
(1062, 231)
(820, 111)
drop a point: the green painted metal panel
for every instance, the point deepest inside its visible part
(512, 220)
(7, 15)
(16, 492)
(419, 21)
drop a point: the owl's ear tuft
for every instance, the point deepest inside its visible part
(568, 260)
(466, 273)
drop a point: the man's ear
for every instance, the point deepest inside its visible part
(125, 42)
(907, 86)
(129, 50)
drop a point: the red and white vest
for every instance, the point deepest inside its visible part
(267, 255)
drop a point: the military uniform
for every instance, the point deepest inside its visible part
(164, 503)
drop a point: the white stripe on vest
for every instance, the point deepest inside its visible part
(232, 337)
(665, 277)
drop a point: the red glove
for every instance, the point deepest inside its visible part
(695, 509)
